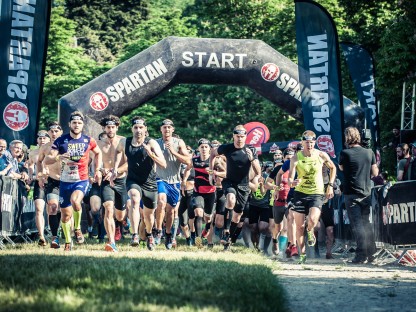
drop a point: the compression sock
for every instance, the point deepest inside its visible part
(54, 224)
(198, 226)
(207, 226)
(175, 227)
(77, 219)
(233, 228)
(282, 242)
(236, 234)
(66, 228)
(228, 216)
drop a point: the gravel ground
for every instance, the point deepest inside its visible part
(336, 285)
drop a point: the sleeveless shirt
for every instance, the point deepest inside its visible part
(309, 171)
(171, 173)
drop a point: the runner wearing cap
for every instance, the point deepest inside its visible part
(143, 155)
(168, 179)
(72, 150)
(49, 179)
(203, 198)
(113, 195)
(240, 158)
(38, 191)
(309, 188)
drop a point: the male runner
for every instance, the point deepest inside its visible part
(143, 154)
(38, 191)
(309, 188)
(114, 195)
(72, 150)
(240, 158)
(49, 178)
(168, 179)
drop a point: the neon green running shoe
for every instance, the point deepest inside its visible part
(302, 259)
(311, 238)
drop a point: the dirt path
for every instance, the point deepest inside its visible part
(334, 285)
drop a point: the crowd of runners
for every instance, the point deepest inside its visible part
(157, 188)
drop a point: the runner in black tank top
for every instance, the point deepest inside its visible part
(142, 155)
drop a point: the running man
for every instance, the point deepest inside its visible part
(72, 150)
(240, 158)
(168, 180)
(309, 188)
(38, 190)
(114, 195)
(49, 178)
(143, 154)
(203, 198)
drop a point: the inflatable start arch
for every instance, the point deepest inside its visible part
(174, 60)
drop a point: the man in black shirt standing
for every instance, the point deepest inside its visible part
(358, 165)
(240, 158)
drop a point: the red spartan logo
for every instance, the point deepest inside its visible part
(270, 72)
(99, 101)
(16, 116)
(325, 144)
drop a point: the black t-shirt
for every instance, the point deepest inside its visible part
(357, 162)
(238, 163)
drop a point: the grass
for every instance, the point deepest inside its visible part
(89, 279)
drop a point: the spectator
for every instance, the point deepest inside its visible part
(403, 158)
(395, 139)
(4, 168)
(358, 165)
(12, 160)
(381, 179)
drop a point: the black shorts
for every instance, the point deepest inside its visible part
(278, 213)
(204, 201)
(241, 193)
(52, 189)
(93, 190)
(116, 193)
(327, 215)
(220, 201)
(303, 202)
(149, 198)
(38, 192)
(256, 214)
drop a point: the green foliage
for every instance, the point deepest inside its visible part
(66, 66)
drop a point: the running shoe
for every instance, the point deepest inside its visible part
(204, 233)
(227, 246)
(134, 240)
(210, 246)
(79, 238)
(126, 225)
(55, 242)
(68, 246)
(42, 242)
(111, 247)
(158, 238)
(294, 251)
(198, 242)
(275, 249)
(311, 238)
(329, 256)
(168, 241)
(117, 234)
(174, 243)
(302, 259)
(150, 242)
(225, 238)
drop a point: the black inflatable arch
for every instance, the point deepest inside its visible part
(174, 60)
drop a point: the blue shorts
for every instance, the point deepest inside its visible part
(67, 188)
(172, 191)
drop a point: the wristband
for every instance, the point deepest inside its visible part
(331, 184)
